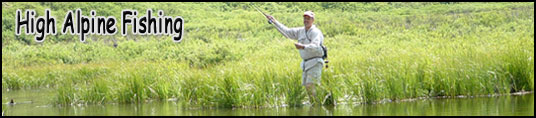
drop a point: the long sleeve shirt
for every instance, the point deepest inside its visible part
(311, 39)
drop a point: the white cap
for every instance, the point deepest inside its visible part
(309, 13)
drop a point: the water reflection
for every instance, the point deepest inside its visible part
(488, 106)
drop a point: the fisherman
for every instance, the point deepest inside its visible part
(309, 43)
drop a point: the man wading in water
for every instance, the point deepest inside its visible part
(309, 40)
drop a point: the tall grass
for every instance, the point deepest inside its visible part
(380, 54)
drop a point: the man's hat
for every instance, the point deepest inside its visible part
(309, 13)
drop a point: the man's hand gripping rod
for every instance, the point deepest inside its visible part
(269, 20)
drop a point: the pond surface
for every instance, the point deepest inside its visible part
(36, 102)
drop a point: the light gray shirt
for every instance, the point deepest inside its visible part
(311, 39)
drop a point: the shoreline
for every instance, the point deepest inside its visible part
(307, 104)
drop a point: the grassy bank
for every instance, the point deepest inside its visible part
(235, 59)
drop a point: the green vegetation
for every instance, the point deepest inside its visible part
(230, 56)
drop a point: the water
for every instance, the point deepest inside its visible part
(487, 106)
